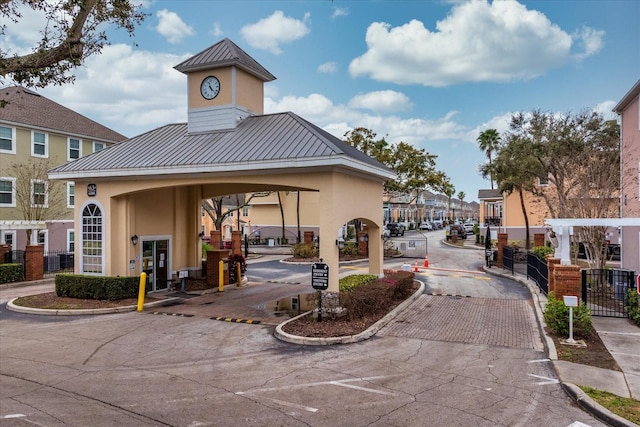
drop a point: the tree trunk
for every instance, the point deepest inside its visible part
(527, 240)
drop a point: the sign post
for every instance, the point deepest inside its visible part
(570, 301)
(320, 282)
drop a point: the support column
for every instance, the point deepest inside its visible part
(538, 239)
(236, 242)
(213, 270)
(567, 280)
(34, 262)
(503, 239)
(4, 250)
(308, 238)
(551, 265)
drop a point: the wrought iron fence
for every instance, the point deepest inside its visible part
(508, 258)
(538, 272)
(14, 257)
(604, 291)
(58, 262)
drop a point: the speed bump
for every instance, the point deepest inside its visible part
(234, 320)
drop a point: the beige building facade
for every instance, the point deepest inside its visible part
(138, 204)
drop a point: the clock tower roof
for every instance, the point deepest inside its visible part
(225, 53)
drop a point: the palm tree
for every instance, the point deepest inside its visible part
(489, 141)
(461, 196)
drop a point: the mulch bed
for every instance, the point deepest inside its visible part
(51, 301)
(594, 354)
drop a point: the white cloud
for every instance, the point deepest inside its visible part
(216, 31)
(606, 109)
(129, 91)
(339, 11)
(328, 68)
(381, 101)
(172, 27)
(590, 40)
(269, 33)
(477, 42)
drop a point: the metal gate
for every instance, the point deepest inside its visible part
(411, 247)
(604, 291)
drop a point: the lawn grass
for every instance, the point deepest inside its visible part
(627, 408)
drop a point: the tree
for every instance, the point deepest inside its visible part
(414, 168)
(37, 198)
(461, 196)
(215, 207)
(489, 141)
(448, 190)
(70, 35)
(572, 162)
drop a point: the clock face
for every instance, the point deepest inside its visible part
(210, 87)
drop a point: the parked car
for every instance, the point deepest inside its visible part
(395, 229)
(469, 227)
(426, 226)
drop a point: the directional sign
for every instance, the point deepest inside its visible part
(320, 276)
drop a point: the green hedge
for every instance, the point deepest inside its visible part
(97, 287)
(11, 273)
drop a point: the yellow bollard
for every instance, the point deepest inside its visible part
(239, 274)
(143, 285)
(221, 276)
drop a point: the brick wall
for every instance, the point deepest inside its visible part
(34, 263)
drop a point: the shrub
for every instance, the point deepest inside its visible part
(234, 260)
(97, 287)
(556, 315)
(377, 295)
(206, 247)
(11, 273)
(633, 306)
(347, 283)
(303, 250)
(543, 251)
(350, 248)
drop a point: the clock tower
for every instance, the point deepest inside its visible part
(225, 85)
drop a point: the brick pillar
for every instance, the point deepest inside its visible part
(308, 238)
(363, 243)
(236, 242)
(213, 266)
(551, 265)
(538, 239)
(34, 262)
(216, 238)
(567, 280)
(502, 242)
(4, 250)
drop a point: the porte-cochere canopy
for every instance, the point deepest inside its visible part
(152, 185)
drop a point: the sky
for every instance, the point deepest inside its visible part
(434, 74)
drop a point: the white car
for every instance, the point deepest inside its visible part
(469, 227)
(426, 226)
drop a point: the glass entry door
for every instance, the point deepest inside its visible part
(155, 262)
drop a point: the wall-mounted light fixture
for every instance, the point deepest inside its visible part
(316, 242)
(340, 243)
(625, 200)
(201, 234)
(134, 239)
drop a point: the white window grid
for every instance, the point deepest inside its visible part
(71, 239)
(71, 194)
(74, 149)
(8, 237)
(39, 193)
(7, 187)
(39, 144)
(7, 140)
(92, 239)
(98, 146)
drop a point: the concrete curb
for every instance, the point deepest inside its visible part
(53, 312)
(348, 339)
(594, 408)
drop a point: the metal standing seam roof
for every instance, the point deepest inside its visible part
(30, 109)
(273, 141)
(223, 54)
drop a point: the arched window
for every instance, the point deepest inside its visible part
(92, 239)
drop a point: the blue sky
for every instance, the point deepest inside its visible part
(431, 73)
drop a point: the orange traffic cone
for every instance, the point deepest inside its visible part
(426, 261)
(415, 267)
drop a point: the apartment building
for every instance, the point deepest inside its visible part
(36, 132)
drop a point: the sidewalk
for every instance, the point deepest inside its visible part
(619, 335)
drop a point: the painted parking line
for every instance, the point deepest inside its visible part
(235, 320)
